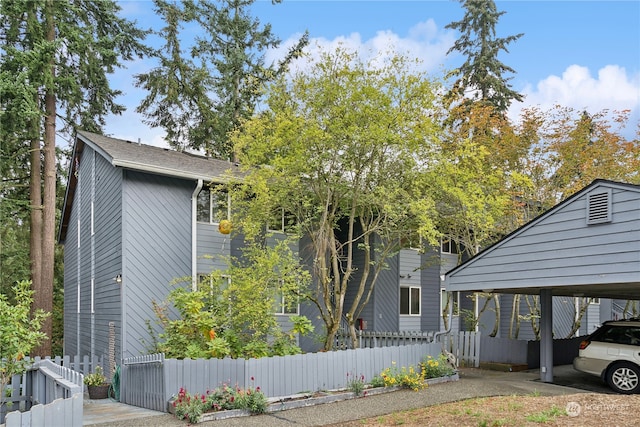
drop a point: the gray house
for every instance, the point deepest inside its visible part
(136, 217)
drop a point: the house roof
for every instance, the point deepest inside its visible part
(144, 158)
(473, 274)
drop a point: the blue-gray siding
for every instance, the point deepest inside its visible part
(94, 256)
(561, 249)
(156, 249)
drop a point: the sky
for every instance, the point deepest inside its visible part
(579, 54)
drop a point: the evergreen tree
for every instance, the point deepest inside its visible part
(56, 58)
(481, 76)
(201, 97)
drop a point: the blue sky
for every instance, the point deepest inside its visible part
(580, 54)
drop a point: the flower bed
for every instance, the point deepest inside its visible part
(309, 399)
(227, 402)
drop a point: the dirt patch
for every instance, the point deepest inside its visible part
(583, 409)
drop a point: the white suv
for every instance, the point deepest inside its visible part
(612, 352)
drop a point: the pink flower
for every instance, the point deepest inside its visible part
(251, 378)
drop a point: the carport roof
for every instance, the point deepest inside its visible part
(561, 252)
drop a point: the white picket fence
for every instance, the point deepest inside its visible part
(44, 393)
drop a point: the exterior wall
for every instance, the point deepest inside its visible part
(410, 276)
(107, 258)
(156, 249)
(382, 311)
(213, 248)
(561, 249)
(93, 260)
(431, 266)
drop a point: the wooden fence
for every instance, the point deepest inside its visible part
(151, 381)
(45, 392)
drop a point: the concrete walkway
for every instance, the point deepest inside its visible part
(472, 383)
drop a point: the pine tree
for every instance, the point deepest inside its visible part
(56, 57)
(481, 76)
(200, 97)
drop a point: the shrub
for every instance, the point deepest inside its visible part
(377, 381)
(96, 378)
(355, 384)
(436, 368)
(191, 407)
(404, 377)
(19, 331)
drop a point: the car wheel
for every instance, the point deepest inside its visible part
(624, 377)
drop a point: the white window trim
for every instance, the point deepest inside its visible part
(419, 299)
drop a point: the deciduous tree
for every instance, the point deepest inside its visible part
(344, 149)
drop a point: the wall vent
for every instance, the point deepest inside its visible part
(599, 207)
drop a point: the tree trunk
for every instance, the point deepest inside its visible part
(35, 195)
(43, 298)
(496, 326)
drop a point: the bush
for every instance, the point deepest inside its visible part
(404, 377)
(19, 331)
(436, 368)
(191, 407)
(355, 384)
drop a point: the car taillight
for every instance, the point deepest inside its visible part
(584, 344)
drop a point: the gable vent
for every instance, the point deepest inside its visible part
(599, 207)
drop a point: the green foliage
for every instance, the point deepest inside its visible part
(19, 331)
(436, 368)
(342, 149)
(546, 416)
(200, 93)
(96, 378)
(404, 377)
(235, 317)
(355, 383)
(191, 407)
(482, 71)
(377, 381)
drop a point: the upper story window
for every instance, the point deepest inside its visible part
(281, 221)
(285, 302)
(410, 301)
(213, 205)
(448, 246)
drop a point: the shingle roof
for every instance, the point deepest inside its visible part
(132, 155)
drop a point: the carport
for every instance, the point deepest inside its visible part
(586, 246)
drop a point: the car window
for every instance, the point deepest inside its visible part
(629, 335)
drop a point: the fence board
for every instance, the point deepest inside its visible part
(281, 376)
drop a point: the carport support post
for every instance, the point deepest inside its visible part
(546, 336)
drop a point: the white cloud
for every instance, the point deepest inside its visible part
(424, 42)
(613, 90)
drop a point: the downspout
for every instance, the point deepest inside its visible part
(194, 235)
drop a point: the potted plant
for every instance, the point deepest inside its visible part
(97, 384)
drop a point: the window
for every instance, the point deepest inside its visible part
(448, 246)
(213, 205)
(410, 301)
(411, 240)
(451, 298)
(281, 221)
(285, 303)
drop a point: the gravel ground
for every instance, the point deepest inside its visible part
(473, 383)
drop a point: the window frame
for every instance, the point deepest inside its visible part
(212, 202)
(410, 301)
